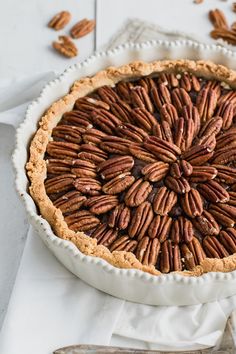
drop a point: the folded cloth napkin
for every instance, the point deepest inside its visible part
(50, 307)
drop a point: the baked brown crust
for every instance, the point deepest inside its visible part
(36, 166)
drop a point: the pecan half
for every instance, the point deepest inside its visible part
(164, 201)
(226, 174)
(211, 126)
(62, 183)
(214, 85)
(141, 153)
(115, 166)
(191, 112)
(140, 98)
(162, 149)
(206, 103)
(213, 247)
(116, 145)
(119, 183)
(147, 83)
(181, 230)
(225, 214)
(82, 28)
(189, 82)
(124, 90)
(213, 191)
(88, 186)
(170, 259)
(122, 110)
(192, 253)
(67, 133)
(178, 185)
(155, 171)
(169, 114)
(168, 79)
(58, 166)
(180, 98)
(227, 138)
(198, 154)
(69, 202)
(225, 34)
(229, 97)
(163, 131)
(185, 82)
(226, 111)
(206, 224)
(108, 94)
(182, 167)
(124, 243)
(92, 153)
(93, 136)
(160, 227)
(218, 19)
(232, 200)
(65, 46)
(137, 193)
(191, 203)
(119, 217)
(209, 141)
(147, 251)
(228, 239)
(82, 220)
(101, 204)
(104, 235)
(184, 133)
(131, 132)
(225, 155)
(78, 119)
(61, 149)
(203, 173)
(140, 220)
(160, 95)
(60, 20)
(88, 104)
(82, 168)
(105, 120)
(144, 119)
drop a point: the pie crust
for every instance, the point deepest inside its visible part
(37, 167)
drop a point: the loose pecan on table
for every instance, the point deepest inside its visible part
(60, 20)
(82, 28)
(65, 46)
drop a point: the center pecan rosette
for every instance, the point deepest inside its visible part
(148, 167)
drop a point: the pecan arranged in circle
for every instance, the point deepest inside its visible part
(148, 166)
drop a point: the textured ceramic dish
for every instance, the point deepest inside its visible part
(130, 284)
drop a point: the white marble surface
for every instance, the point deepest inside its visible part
(25, 49)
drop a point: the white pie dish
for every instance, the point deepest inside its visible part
(171, 289)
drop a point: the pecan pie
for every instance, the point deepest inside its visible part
(137, 165)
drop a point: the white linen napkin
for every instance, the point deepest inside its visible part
(51, 308)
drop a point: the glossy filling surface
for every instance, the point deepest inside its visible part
(148, 167)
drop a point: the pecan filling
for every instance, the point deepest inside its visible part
(148, 167)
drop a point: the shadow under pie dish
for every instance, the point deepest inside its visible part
(136, 165)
